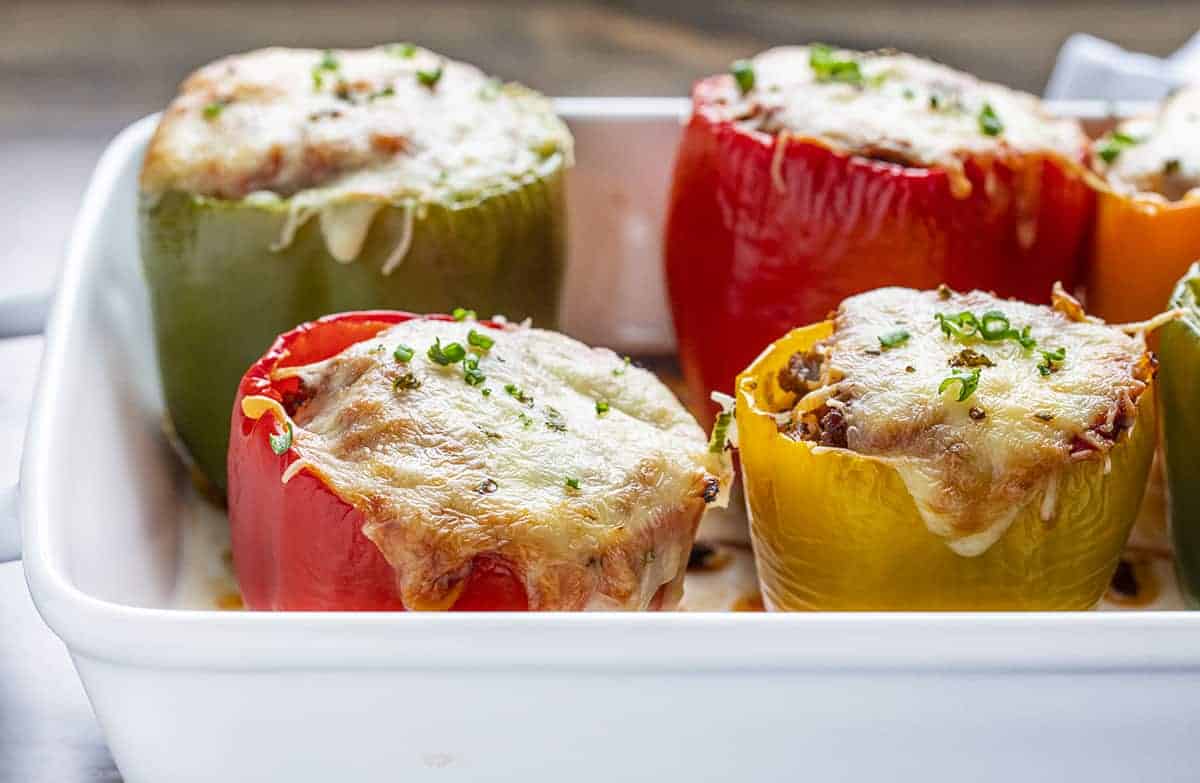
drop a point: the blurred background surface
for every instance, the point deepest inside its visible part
(72, 74)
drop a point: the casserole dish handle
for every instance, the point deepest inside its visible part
(21, 315)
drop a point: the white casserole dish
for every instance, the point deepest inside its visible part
(203, 695)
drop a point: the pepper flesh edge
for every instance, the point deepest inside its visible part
(836, 530)
(299, 546)
(745, 261)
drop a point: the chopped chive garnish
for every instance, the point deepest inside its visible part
(621, 370)
(829, 68)
(281, 442)
(462, 314)
(994, 325)
(524, 419)
(317, 79)
(403, 353)
(471, 373)
(328, 61)
(743, 74)
(214, 109)
(716, 443)
(1051, 360)
(601, 407)
(386, 92)
(481, 341)
(487, 392)
(962, 325)
(989, 122)
(894, 339)
(1114, 144)
(406, 382)
(405, 50)
(451, 353)
(516, 392)
(572, 482)
(968, 381)
(429, 77)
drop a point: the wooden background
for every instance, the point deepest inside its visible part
(73, 73)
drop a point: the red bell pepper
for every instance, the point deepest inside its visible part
(753, 249)
(298, 546)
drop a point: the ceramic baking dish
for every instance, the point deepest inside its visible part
(206, 695)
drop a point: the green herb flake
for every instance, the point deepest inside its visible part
(1112, 145)
(716, 443)
(429, 77)
(487, 392)
(516, 393)
(406, 382)
(894, 339)
(328, 61)
(479, 340)
(1051, 361)
(214, 109)
(525, 420)
(743, 74)
(451, 353)
(462, 314)
(403, 353)
(282, 441)
(621, 370)
(406, 51)
(828, 68)
(989, 121)
(968, 381)
(572, 483)
(386, 92)
(602, 407)
(471, 373)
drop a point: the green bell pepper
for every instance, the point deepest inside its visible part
(1179, 349)
(220, 295)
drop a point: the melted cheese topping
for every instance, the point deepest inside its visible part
(443, 472)
(904, 109)
(340, 134)
(971, 466)
(1163, 154)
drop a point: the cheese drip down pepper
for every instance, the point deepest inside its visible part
(338, 181)
(1179, 345)
(871, 487)
(380, 460)
(819, 174)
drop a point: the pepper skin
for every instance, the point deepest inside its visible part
(1179, 350)
(219, 295)
(298, 546)
(1141, 248)
(835, 530)
(749, 255)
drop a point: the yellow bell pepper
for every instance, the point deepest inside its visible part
(836, 530)
(1141, 247)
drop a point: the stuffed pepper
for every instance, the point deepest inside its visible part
(285, 184)
(1179, 342)
(1148, 211)
(808, 174)
(945, 451)
(380, 460)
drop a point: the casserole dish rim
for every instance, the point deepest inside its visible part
(176, 638)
